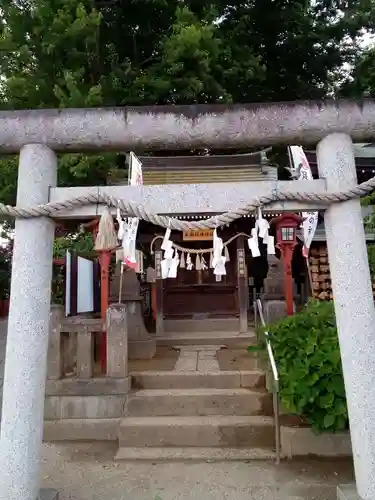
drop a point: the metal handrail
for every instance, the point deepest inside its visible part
(258, 311)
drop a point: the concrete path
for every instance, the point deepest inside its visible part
(87, 472)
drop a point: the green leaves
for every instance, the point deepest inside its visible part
(308, 358)
(86, 53)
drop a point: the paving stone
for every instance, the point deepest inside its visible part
(48, 494)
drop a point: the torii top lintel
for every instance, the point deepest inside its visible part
(184, 127)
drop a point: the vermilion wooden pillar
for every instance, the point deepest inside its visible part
(287, 256)
(286, 237)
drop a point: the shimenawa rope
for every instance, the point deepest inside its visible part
(134, 210)
(196, 251)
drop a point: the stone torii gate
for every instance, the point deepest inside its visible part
(38, 135)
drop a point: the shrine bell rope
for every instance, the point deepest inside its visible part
(134, 210)
(196, 251)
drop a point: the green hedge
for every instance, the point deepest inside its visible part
(308, 359)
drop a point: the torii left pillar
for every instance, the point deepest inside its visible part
(28, 330)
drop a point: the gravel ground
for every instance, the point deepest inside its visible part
(88, 472)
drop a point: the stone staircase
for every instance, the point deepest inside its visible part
(197, 412)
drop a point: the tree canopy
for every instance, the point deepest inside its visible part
(84, 53)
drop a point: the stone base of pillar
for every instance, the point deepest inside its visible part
(347, 492)
(48, 494)
(274, 310)
(142, 349)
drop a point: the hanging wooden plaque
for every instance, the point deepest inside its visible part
(199, 235)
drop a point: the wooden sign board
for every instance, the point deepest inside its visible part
(200, 235)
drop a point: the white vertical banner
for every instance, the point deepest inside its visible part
(300, 164)
(135, 178)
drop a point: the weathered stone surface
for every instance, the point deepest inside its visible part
(297, 441)
(191, 380)
(190, 453)
(54, 360)
(28, 330)
(191, 127)
(193, 198)
(48, 494)
(52, 408)
(185, 380)
(117, 341)
(354, 304)
(101, 386)
(226, 431)
(91, 407)
(274, 310)
(274, 288)
(81, 429)
(347, 492)
(141, 345)
(191, 402)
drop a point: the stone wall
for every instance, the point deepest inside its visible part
(80, 403)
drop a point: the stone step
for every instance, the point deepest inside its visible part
(193, 454)
(230, 338)
(190, 380)
(197, 402)
(201, 325)
(213, 431)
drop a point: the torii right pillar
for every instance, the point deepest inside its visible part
(354, 306)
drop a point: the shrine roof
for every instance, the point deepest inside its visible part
(206, 168)
(202, 161)
(364, 159)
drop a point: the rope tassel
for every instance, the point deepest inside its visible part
(182, 260)
(226, 253)
(197, 263)
(107, 237)
(189, 264)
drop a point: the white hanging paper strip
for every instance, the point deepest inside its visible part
(182, 260)
(211, 259)
(299, 163)
(165, 243)
(271, 245)
(226, 253)
(168, 253)
(197, 263)
(165, 268)
(218, 249)
(120, 220)
(172, 273)
(261, 225)
(203, 264)
(218, 260)
(129, 242)
(253, 246)
(219, 269)
(139, 262)
(189, 264)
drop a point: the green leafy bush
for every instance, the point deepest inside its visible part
(308, 358)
